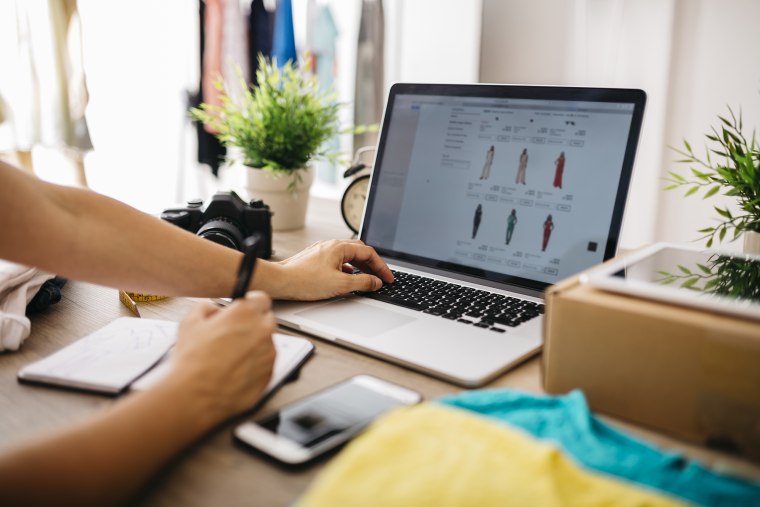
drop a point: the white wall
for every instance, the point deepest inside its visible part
(438, 41)
(691, 57)
(525, 42)
(715, 65)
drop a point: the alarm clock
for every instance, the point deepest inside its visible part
(355, 195)
(352, 204)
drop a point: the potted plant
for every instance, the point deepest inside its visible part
(278, 128)
(730, 167)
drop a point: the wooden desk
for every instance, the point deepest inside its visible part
(215, 471)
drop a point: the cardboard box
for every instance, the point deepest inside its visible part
(686, 372)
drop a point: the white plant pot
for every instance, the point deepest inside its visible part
(288, 208)
(751, 242)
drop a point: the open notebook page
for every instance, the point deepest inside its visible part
(292, 351)
(107, 360)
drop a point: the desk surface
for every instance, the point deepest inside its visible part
(214, 471)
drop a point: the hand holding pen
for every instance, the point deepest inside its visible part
(247, 264)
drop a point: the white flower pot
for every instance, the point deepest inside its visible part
(288, 208)
(751, 242)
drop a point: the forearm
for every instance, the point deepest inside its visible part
(108, 458)
(116, 245)
(90, 237)
(86, 236)
(146, 254)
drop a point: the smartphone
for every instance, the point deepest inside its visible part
(307, 428)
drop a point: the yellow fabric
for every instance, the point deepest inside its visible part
(438, 456)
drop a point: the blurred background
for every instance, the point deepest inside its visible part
(96, 92)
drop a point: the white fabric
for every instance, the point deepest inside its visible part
(18, 285)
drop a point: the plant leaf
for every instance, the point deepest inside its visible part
(711, 283)
(714, 190)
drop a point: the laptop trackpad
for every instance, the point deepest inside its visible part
(356, 318)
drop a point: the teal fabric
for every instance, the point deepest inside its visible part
(568, 423)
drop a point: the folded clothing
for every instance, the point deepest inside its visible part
(48, 294)
(18, 285)
(567, 422)
(434, 455)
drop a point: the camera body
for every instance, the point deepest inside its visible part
(226, 219)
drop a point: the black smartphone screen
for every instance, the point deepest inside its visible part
(319, 417)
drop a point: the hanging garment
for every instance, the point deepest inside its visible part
(431, 455)
(210, 151)
(42, 80)
(511, 222)
(560, 163)
(225, 50)
(311, 21)
(211, 70)
(522, 169)
(259, 36)
(486, 172)
(323, 36)
(369, 96)
(548, 228)
(235, 48)
(476, 220)
(567, 422)
(284, 41)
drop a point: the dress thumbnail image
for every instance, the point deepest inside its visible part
(522, 167)
(548, 228)
(476, 221)
(511, 222)
(560, 165)
(486, 172)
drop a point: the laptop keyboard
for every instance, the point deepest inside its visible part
(454, 302)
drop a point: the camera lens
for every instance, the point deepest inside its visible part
(223, 231)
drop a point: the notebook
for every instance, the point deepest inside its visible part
(481, 197)
(115, 356)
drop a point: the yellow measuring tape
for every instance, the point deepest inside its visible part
(130, 299)
(144, 298)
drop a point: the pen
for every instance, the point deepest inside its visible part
(246, 266)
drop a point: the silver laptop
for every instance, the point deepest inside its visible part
(481, 197)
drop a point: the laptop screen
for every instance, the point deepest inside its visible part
(520, 185)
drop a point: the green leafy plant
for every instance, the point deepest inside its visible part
(279, 125)
(720, 275)
(735, 172)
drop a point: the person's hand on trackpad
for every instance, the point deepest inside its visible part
(325, 270)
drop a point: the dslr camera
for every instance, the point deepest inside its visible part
(226, 219)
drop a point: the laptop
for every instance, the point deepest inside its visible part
(481, 197)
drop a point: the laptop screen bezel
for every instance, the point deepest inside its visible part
(616, 95)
